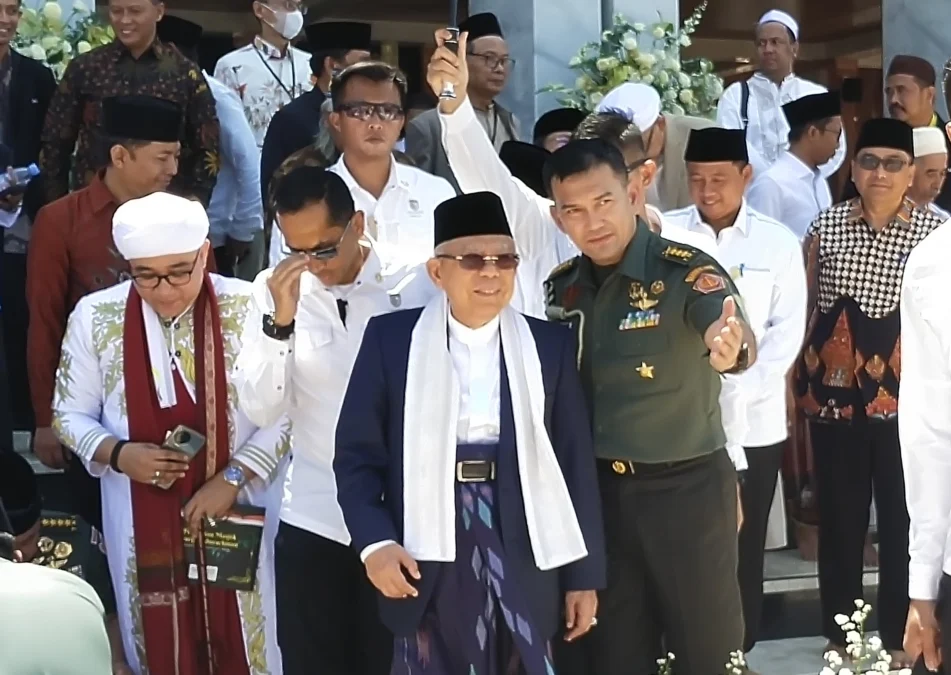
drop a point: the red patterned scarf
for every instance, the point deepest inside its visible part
(190, 628)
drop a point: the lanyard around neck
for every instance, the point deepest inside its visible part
(289, 92)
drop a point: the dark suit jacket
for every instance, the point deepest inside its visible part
(424, 143)
(369, 468)
(31, 89)
(944, 197)
(292, 128)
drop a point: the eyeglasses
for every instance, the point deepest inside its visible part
(870, 162)
(493, 61)
(287, 5)
(473, 262)
(322, 253)
(363, 111)
(150, 281)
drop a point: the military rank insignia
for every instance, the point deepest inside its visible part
(697, 271)
(639, 297)
(640, 319)
(678, 253)
(708, 282)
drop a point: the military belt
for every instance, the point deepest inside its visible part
(627, 468)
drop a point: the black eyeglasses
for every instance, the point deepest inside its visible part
(870, 162)
(150, 281)
(322, 253)
(473, 262)
(493, 61)
(363, 111)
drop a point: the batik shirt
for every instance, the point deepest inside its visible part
(75, 115)
(850, 365)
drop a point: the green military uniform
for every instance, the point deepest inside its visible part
(667, 484)
(644, 362)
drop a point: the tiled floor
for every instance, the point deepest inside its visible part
(795, 656)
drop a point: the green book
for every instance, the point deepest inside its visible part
(232, 547)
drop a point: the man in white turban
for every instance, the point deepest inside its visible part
(931, 169)
(147, 357)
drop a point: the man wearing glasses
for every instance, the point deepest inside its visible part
(301, 337)
(847, 376)
(489, 65)
(369, 101)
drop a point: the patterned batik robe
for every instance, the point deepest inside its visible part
(90, 405)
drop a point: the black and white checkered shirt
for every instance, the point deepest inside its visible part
(860, 263)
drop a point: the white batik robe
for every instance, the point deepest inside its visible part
(89, 405)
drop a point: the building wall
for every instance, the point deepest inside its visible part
(918, 27)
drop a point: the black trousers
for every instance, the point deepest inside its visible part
(852, 462)
(224, 262)
(327, 614)
(672, 563)
(15, 322)
(757, 492)
(6, 419)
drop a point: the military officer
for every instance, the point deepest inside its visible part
(658, 324)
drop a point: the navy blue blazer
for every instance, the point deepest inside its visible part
(368, 466)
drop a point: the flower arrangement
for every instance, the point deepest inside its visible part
(633, 52)
(865, 652)
(736, 666)
(54, 39)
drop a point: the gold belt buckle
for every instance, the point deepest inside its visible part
(460, 466)
(621, 468)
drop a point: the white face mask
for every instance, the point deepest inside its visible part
(288, 24)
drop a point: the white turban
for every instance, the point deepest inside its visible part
(157, 225)
(638, 102)
(929, 141)
(776, 16)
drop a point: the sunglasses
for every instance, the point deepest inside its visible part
(386, 112)
(473, 262)
(322, 253)
(870, 162)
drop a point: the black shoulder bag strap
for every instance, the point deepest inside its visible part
(745, 103)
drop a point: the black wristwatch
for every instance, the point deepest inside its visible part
(742, 361)
(272, 330)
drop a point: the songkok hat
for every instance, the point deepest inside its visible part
(557, 120)
(471, 215)
(638, 102)
(141, 118)
(715, 144)
(333, 35)
(183, 33)
(19, 492)
(905, 64)
(526, 161)
(780, 17)
(929, 141)
(481, 25)
(812, 108)
(159, 224)
(886, 132)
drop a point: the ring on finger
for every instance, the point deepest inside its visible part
(594, 622)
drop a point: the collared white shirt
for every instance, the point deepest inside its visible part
(265, 80)
(235, 209)
(400, 222)
(924, 423)
(765, 261)
(476, 358)
(938, 211)
(790, 192)
(307, 375)
(767, 131)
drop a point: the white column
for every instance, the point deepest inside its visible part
(919, 28)
(542, 35)
(642, 11)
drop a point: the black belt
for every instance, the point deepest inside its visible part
(475, 471)
(623, 467)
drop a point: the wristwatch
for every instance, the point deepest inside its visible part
(742, 361)
(233, 476)
(272, 330)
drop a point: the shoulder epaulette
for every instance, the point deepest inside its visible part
(564, 268)
(680, 254)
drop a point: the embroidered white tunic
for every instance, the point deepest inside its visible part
(89, 405)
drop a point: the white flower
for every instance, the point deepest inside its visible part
(82, 47)
(52, 11)
(684, 79)
(605, 36)
(670, 95)
(639, 27)
(674, 65)
(904, 671)
(37, 52)
(686, 96)
(845, 671)
(573, 63)
(50, 42)
(595, 98)
(648, 79)
(875, 643)
(859, 604)
(646, 61)
(629, 42)
(582, 82)
(852, 637)
(827, 671)
(848, 626)
(659, 32)
(80, 7)
(607, 64)
(841, 619)
(685, 40)
(663, 79)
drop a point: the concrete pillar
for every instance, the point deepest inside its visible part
(642, 11)
(918, 27)
(542, 35)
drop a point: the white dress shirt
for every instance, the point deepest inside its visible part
(265, 80)
(307, 375)
(767, 131)
(475, 356)
(790, 192)
(400, 222)
(938, 211)
(765, 261)
(235, 209)
(924, 420)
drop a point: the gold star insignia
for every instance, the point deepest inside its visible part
(646, 371)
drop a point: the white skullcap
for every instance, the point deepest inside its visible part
(929, 141)
(776, 16)
(638, 102)
(157, 225)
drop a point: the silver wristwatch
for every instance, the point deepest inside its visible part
(233, 476)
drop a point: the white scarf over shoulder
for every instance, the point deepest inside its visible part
(430, 416)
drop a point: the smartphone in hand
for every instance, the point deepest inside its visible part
(184, 440)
